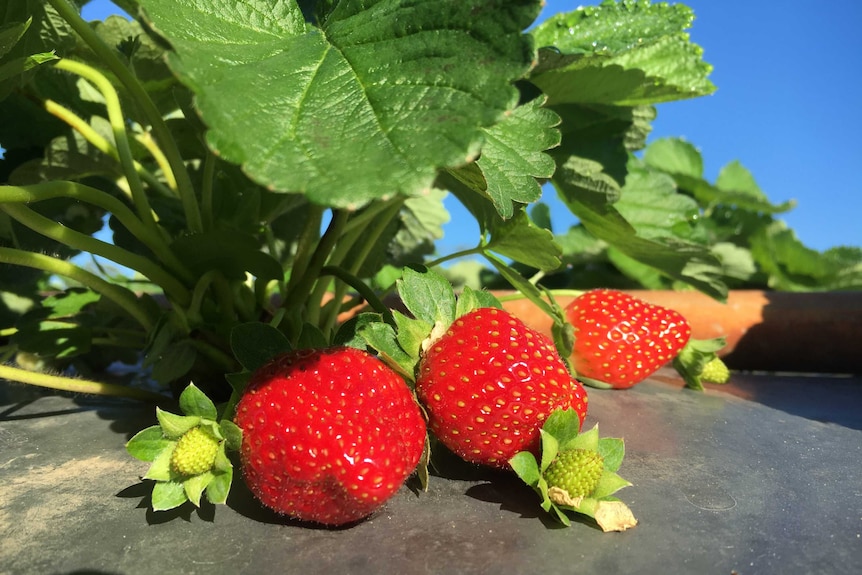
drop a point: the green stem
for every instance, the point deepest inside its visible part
(61, 189)
(515, 296)
(162, 133)
(67, 236)
(362, 289)
(121, 139)
(155, 151)
(121, 296)
(370, 235)
(225, 361)
(480, 250)
(77, 385)
(207, 190)
(102, 144)
(198, 294)
(305, 248)
(299, 295)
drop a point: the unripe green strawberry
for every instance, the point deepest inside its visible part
(715, 371)
(575, 470)
(195, 452)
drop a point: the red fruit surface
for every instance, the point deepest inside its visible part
(490, 382)
(620, 339)
(328, 435)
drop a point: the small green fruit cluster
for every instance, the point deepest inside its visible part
(576, 470)
(195, 452)
(715, 371)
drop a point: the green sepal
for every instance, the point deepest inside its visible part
(175, 426)
(526, 467)
(160, 469)
(168, 495)
(612, 450)
(231, 433)
(221, 462)
(193, 401)
(219, 487)
(410, 332)
(691, 360)
(382, 337)
(148, 443)
(470, 299)
(195, 485)
(595, 383)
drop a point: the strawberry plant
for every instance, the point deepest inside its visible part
(215, 183)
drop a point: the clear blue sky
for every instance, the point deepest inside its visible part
(789, 78)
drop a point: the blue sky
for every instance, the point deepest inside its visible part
(788, 78)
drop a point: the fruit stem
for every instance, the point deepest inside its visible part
(107, 56)
(555, 292)
(119, 295)
(67, 236)
(455, 255)
(76, 385)
(61, 189)
(118, 126)
(102, 144)
(362, 289)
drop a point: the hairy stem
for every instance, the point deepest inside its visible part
(478, 250)
(119, 295)
(207, 190)
(160, 129)
(67, 236)
(366, 240)
(77, 385)
(61, 189)
(362, 289)
(298, 296)
(100, 143)
(118, 126)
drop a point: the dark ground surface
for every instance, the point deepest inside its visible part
(761, 476)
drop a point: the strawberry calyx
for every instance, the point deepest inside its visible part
(692, 361)
(593, 497)
(187, 453)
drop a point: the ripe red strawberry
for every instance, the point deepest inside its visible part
(490, 382)
(328, 435)
(621, 340)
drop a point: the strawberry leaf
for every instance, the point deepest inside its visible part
(513, 155)
(425, 109)
(622, 53)
(193, 401)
